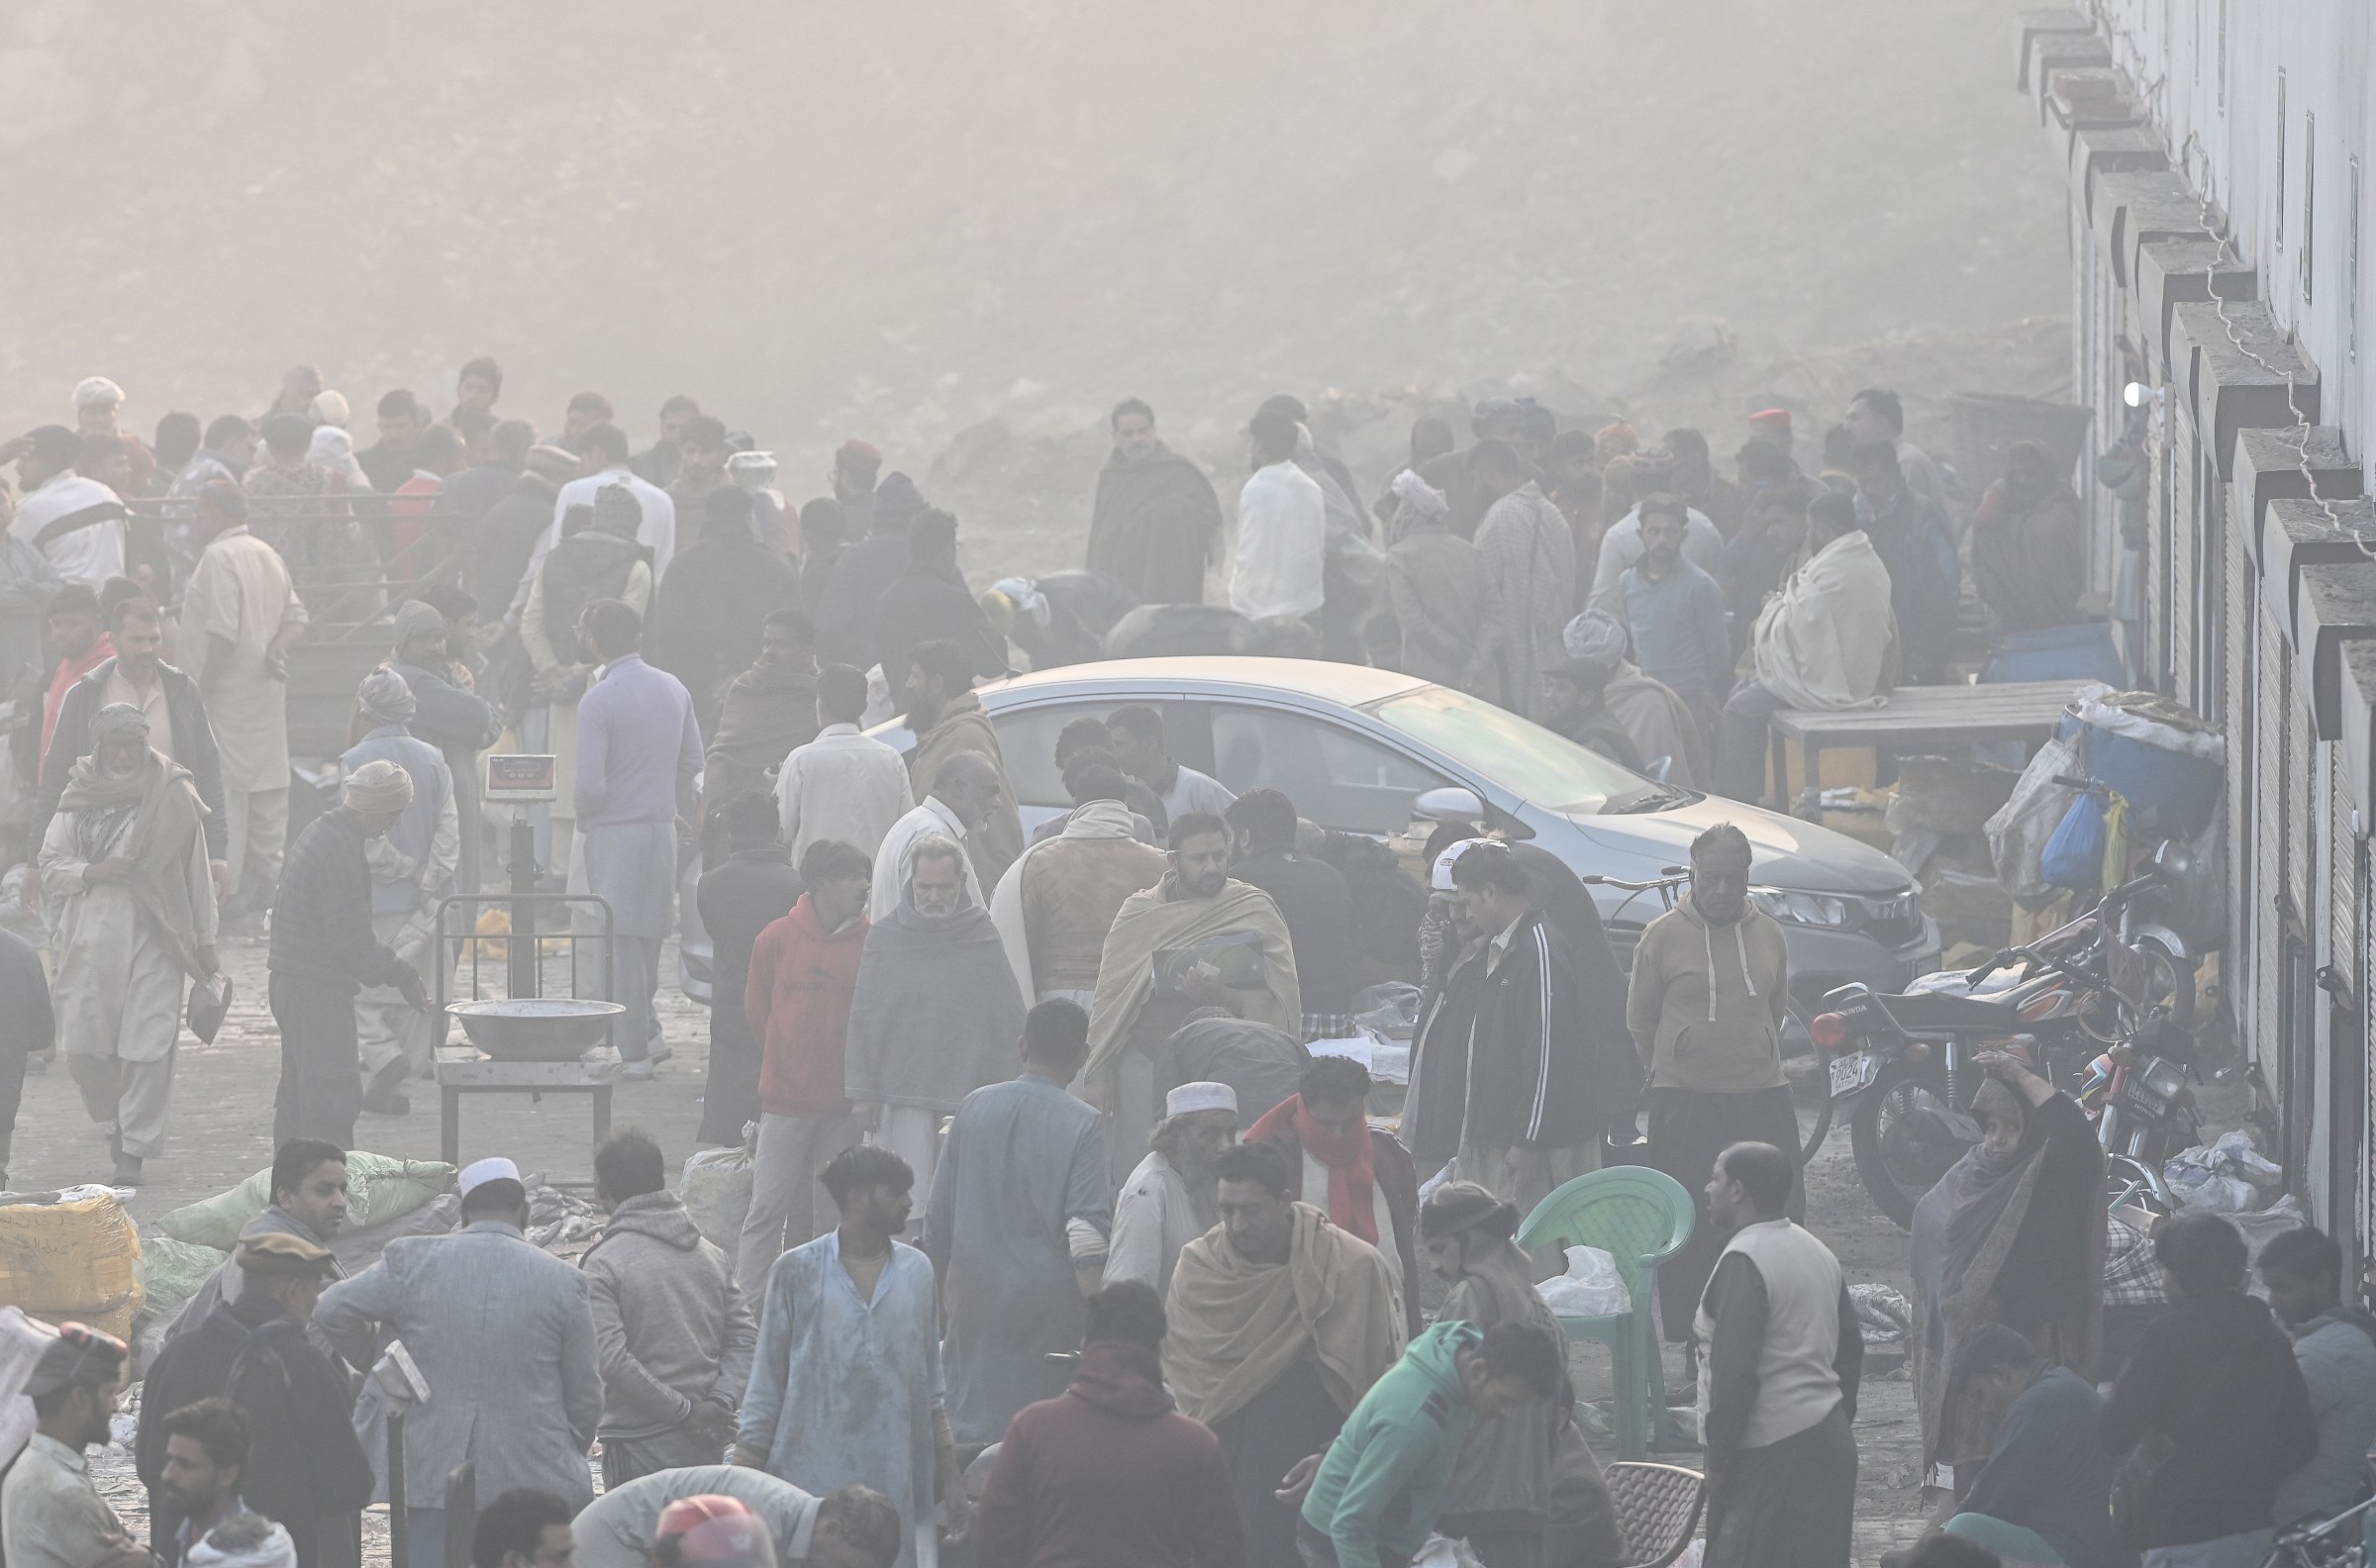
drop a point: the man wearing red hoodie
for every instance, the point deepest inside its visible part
(804, 969)
(1108, 1474)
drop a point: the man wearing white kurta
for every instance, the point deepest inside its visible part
(238, 617)
(1171, 1199)
(1282, 529)
(131, 904)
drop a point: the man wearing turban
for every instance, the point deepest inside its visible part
(412, 868)
(130, 899)
(323, 950)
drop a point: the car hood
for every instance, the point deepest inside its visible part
(1789, 854)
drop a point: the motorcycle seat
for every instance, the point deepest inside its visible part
(1920, 1009)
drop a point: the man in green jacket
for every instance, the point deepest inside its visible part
(1381, 1484)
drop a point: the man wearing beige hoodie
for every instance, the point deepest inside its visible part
(1710, 981)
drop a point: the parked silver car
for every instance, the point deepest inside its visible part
(1356, 749)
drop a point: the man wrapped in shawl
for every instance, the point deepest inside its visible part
(764, 714)
(1659, 723)
(1281, 1321)
(2012, 1234)
(131, 905)
(1155, 520)
(1163, 961)
(936, 1013)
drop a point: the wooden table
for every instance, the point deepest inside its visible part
(466, 1072)
(1914, 719)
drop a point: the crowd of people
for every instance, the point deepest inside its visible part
(1115, 1262)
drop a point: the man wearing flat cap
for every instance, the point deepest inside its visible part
(240, 615)
(323, 951)
(504, 1336)
(130, 900)
(305, 1467)
(50, 1517)
(1172, 1198)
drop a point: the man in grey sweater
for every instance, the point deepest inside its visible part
(671, 1332)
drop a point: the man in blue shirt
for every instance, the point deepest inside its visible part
(639, 751)
(2044, 1496)
(1675, 612)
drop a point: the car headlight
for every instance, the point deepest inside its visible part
(1793, 907)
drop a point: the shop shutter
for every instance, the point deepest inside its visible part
(2239, 718)
(2298, 806)
(2343, 875)
(2157, 567)
(2184, 606)
(2268, 849)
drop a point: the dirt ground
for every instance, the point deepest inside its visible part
(220, 1134)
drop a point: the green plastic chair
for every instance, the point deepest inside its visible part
(1640, 1217)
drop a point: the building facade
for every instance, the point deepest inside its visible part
(2221, 339)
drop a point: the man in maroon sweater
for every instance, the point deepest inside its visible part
(1108, 1475)
(804, 970)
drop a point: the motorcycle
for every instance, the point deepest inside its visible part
(1901, 1070)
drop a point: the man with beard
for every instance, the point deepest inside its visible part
(1435, 584)
(1281, 1321)
(955, 810)
(469, 494)
(1454, 473)
(1172, 1198)
(323, 951)
(1693, 476)
(412, 868)
(51, 1516)
(1675, 613)
(1528, 559)
(946, 719)
(936, 1009)
(745, 888)
(1578, 696)
(1017, 1225)
(131, 905)
(1656, 722)
(639, 751)
(1195, 939)
(1055, 905)
(660, 462)
(708, 614)
(1313, 900)
(928, 600)
(1157, 521)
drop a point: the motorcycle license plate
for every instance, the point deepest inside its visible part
(1852, 1072)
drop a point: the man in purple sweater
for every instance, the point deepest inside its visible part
(639, 751)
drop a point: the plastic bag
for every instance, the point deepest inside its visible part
(2226, 1177)
(1883, 1317)
(1591, 1287)
(2074, 857)
(2018, 834)
(76, 1258)
(1442, 1551)
(171, 1272)
(716, 1187)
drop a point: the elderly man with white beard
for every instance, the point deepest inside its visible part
(131, 904)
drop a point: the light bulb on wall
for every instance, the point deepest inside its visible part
(2136, 394)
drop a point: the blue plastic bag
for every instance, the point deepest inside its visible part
(2074, 855)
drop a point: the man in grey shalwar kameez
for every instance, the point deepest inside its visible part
(935, 1010)
(1016, 1225)
(411, 869)
(1527, 554)
(131, 905)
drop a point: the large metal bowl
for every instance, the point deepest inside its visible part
(535, 1028)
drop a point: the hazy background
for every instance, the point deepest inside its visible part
(905, 221)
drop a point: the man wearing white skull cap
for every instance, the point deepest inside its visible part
(1170, 1199)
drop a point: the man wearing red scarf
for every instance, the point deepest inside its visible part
(1360, 1175)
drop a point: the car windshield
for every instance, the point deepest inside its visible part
(1540, 767)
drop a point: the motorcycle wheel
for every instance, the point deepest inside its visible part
(1895, 1164)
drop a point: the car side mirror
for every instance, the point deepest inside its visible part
(1450, 802)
